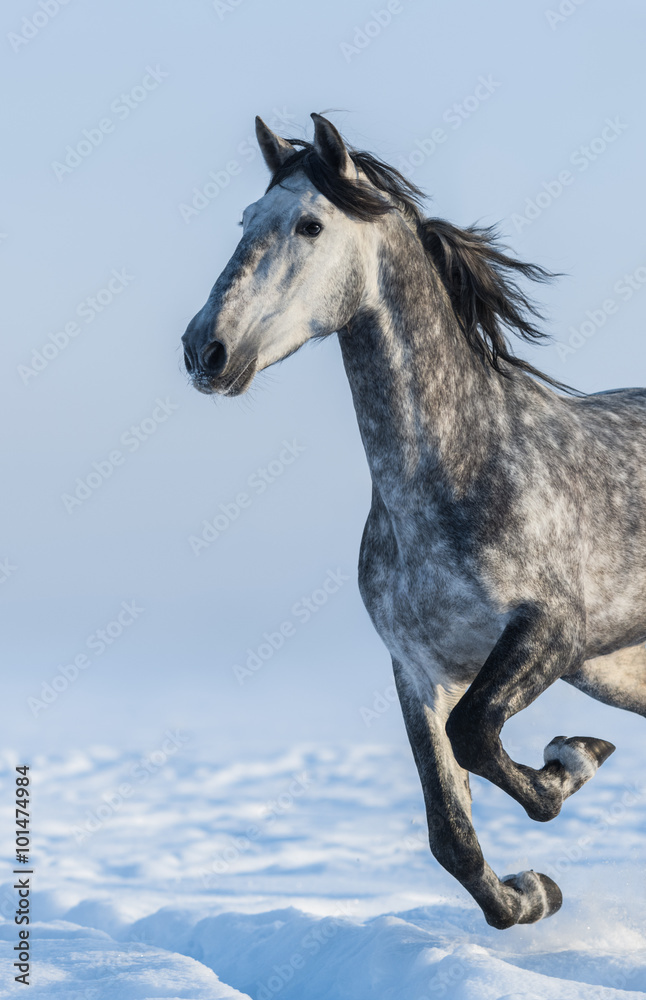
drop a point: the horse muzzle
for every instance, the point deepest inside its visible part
(212, 371)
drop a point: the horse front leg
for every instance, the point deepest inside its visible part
(527, 897)
(536, 648)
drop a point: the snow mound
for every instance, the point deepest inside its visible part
(421, 955)
(307, 876)
(76, 964)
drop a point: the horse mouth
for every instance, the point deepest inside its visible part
(233, 383)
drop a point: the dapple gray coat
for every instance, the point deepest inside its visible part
(506, 543)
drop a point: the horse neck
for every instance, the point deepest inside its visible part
(427, 407)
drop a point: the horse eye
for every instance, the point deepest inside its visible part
(310, 228)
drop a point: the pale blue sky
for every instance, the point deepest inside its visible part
(116, 218)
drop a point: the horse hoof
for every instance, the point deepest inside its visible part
(581, 756)
(540, 896)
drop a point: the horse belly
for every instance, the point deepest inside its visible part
(614, 577)
(615, 610)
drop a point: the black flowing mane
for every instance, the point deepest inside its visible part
(477, 274)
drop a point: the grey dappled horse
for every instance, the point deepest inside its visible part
(506, 543)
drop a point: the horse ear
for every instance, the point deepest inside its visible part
(331, 148)
(274, 149)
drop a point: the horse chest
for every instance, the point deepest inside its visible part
(431, 614)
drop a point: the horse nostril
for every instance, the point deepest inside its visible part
(214, 358)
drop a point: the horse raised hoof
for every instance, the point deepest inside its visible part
(535, 896)
(580, 756)
(569, 763)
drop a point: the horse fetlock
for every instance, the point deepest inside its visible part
(548, 798)
(506, 911)
(579, 758)
(540, 897)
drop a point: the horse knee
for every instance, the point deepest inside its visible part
(472, 741)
